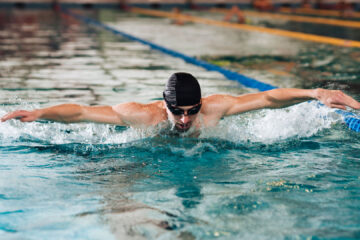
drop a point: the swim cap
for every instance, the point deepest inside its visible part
(182, 89)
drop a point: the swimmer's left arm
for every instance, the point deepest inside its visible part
(284, 97)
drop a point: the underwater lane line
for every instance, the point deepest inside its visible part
(320, 12)
(284, 33)
(317, 20)
(351, 119)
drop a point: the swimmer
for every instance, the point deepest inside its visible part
(306, 4)
(183, 106)
(263, 5)
(346, 8)
(177, 17)
(235, 11)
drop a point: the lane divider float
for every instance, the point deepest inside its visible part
(320, 12)
(317, 20)
(351, 119)
(274, 31)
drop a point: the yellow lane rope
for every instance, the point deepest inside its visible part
(337, 22)
(330, 13)
(297, 35)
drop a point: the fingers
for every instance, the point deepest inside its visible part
(7, 117)
(338, 106)
(19, 114)
(27, 119)
(339, 98)
(24, 119)
(352, 102)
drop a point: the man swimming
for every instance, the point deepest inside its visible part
(184, 106)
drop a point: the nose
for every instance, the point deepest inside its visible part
(185, 119)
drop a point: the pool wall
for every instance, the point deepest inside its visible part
(150, 3)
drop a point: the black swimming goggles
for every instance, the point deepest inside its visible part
(177, 111)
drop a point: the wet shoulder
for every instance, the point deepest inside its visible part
(147, 108)
(215, 104)
(156, 112)
(140, 114)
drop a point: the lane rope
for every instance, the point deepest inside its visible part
(320, 12)
(273, 31)
(328, 21)
(351, 119)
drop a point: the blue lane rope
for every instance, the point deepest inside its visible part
(351, 119)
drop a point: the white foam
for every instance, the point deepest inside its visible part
(59, 133)
(265, 126)
(269, 126)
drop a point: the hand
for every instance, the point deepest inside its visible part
(336, 99)
(22, 115)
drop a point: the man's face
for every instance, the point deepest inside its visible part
(185, 120)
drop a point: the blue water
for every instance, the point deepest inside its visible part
(272, 174)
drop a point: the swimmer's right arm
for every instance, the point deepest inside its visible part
(124, 114)
(68, 113)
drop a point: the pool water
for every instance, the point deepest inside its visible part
(290, 173)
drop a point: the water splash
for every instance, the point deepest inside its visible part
(271, 126)
(264, 126)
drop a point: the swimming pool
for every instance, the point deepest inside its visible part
(271, 174)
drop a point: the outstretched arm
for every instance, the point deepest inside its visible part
(68, 113)
(283, 97)
(123, 114)
(279, 98)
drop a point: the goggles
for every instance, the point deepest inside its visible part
(178, 111)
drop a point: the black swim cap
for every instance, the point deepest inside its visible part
(182, 89)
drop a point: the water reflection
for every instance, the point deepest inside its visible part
(326, 66)
(154, 187)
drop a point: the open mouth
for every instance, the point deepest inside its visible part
(183, 127)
